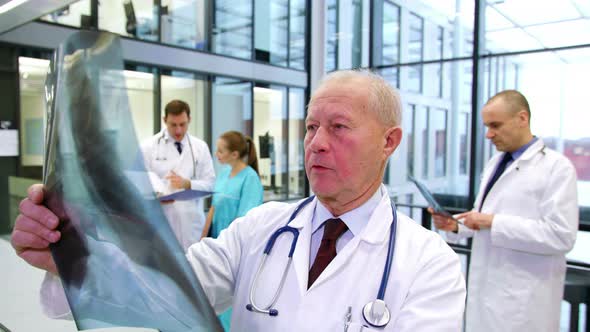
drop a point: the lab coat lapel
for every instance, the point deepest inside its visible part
(301, 255)
(527, 155)
(375, 232)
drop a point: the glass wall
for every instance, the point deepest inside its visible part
(32, 74)
(128, 18)
(296, 134)
(189, 88)
(76, 14)
(347, 34)
(270, 132)
(268, 31)
(140, 93)
(185, 23)
(231, 109)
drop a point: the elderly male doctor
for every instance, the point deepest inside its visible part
(181, 161)
(344, 235)
(524, 221)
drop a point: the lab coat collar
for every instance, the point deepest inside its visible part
(533, 149)
(377, 229)
(168, 138)
(374, 231)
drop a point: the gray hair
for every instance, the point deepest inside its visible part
(384, 99)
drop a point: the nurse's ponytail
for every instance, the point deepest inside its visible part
(244, 145)
(252, 158)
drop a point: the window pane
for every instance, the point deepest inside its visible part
(190, 89)
(232, 28)
(331, 35)
(555, 85)
(271, 31)
(390, 34)
(232, 109)
(185, 23)
(296, 136)
(297, 34)
(129, 18)
(438, 121)
(270, 121)
(140, 91)
(32, 74)
(76, 15)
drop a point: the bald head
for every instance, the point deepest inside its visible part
(513, 102)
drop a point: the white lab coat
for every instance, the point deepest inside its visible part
(425, 292)
(186, 218)
(518, 266)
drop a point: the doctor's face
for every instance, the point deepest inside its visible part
(345, 144)
(506, 129)
(177, 125)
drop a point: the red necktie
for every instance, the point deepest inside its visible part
(333, 229)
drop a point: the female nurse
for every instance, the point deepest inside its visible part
(237, 188)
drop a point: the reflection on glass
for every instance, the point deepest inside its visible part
(464, 121)
(128, 18)
(271, 31)
(76, 14)
(140, 91)
(421, 118)
(270, 133)
(415, 53)
(232, 28)
(185, 23)
(408, 128)
(32, 74)
(191, 89)
(390, 34)
(296, 135)
(297, 42)
(331, 57)
(438, 124)
(231, 109)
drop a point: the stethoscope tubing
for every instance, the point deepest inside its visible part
(295, 232)
(190, 145)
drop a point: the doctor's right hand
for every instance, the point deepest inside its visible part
(34, 230)
(443, 223)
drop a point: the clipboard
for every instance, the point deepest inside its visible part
(432, 202)
(185, 195)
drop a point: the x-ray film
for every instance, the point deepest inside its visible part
(118, 259)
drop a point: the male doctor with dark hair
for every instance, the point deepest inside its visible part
(181, 161)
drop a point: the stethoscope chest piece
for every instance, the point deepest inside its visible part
(376, 313)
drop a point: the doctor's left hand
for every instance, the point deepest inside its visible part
(476, 220)
(177, 181)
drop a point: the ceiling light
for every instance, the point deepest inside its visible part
(10, 5)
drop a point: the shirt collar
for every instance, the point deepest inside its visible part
(168, 137)
(516, 154)
(355, 219)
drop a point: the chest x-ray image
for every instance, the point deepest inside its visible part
(119, 262)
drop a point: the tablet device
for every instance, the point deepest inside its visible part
(432, 202)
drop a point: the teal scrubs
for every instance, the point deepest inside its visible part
(233, 198)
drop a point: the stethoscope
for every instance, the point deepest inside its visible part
(375, 312)
(162, 156)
